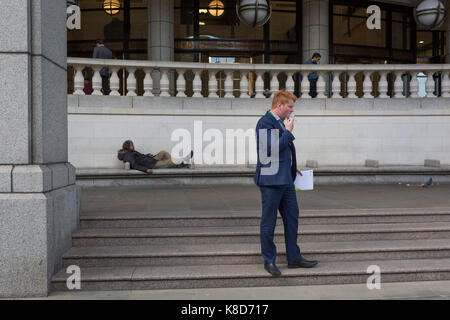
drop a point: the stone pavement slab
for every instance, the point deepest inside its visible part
(248, 198)
(424, 290)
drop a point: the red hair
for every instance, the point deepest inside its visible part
(282, 97)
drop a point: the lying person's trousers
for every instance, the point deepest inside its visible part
(165, 160)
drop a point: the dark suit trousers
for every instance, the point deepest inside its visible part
(313, 88)
(280, 198)
(105, 85)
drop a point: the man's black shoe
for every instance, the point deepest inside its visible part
(272, 269)
(183, 165)
(303, 263)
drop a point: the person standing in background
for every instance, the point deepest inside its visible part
(102, 52)
(313, 77)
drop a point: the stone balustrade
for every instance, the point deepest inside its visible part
(182, 79)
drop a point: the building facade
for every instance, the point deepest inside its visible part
(208, 31)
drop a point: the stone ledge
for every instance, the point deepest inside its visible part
(254, 107)
(244, 171)
(414, 175)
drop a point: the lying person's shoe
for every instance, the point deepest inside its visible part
(272, 269)
(303, 263)
(188, 157)
(183, 165)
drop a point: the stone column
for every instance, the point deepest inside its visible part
(447, 56)
(160, 36)
(315, 29)
(38, 196)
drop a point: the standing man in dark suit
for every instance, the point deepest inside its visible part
(275, 174)
(313, 77)
(102, 52)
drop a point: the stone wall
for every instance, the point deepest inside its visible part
(334, 132)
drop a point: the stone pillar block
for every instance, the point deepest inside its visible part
(23, 244)
(60, 175)
(31, 178)
(71, 170)
(14, 107)
(15, 27)
(5, 178)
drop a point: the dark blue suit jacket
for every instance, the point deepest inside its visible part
(312, 75)
(286, 172)
(102, 52)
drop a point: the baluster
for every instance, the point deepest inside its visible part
(96, 82)
(383, 85)
(351, 88)
(445, 87)
(131, 83)
(321, 86)
(367, 85)
(148, 83)
(212, 84)
(181, 84)
(290, 84)
(244, 85)
(164, 83)
(429, 85)
(114, 82)
(305, 86)
(336, 86)
(228, 84)
(414, 85)
(197, 84)
(78, 81)
(259, 84)
(398, 85)
(274, 83)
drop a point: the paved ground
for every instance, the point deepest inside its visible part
(247, 198)
(430, 290)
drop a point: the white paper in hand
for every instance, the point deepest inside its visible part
(305, 182)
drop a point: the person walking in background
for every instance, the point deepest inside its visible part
(102, 52)
(313, 77)
(276, 171)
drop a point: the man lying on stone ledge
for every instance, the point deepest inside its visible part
(147, 162)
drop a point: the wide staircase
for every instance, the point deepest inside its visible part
(121, 250)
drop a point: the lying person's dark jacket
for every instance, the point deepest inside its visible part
(137, 160)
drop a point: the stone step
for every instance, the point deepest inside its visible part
(252, 218)
(243, 175)
(250, 234)
(251, 275)
(250, 253)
